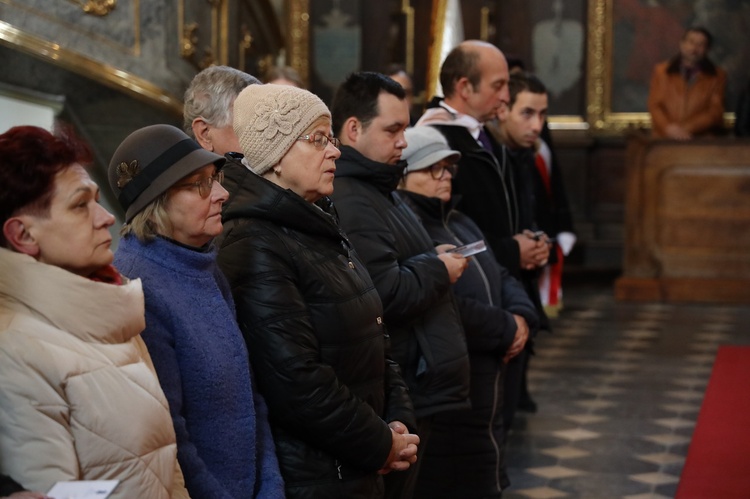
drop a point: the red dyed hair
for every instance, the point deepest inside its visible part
(30, 158)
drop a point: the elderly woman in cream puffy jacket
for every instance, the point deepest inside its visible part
(79, 399)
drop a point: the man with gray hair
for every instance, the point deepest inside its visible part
(207, 115)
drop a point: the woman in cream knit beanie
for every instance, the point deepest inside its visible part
(309, 312)
(269, 119)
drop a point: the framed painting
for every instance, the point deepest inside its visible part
(626, 38)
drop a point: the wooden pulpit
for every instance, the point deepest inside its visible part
(687, 221)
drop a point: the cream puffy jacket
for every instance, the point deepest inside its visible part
(79, 399)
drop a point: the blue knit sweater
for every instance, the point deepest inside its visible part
(224, 443)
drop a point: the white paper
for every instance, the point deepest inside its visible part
(470, 249)
(83, 489)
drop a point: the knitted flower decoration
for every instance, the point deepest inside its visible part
(277, 114)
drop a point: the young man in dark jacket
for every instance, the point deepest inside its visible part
(413, 278)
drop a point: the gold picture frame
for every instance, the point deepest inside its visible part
(600, 76)
(599, 113)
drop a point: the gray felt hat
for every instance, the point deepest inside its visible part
(151, 160)
(425, 147)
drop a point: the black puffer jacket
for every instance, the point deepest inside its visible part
(312, 321)
(465, 456)
(420, 312)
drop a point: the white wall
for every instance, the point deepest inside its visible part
(15, 112)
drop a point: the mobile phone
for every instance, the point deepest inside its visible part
(537, 235)
(469, 249)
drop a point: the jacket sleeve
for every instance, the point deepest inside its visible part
(516, 301)
(713, 115)
(161, 346)
(407, 287)
(488, 328)
(398, 404)
(563, 215)
(178, 485)
(304, 395)
(507, 252)
(657, 88)
(36, 441)
(271, 483)
(270, 480)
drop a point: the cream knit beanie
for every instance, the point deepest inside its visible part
(269, 118)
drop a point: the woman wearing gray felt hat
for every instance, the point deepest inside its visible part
(171, 191)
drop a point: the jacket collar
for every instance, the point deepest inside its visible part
(385, 177)
(252, 196)
(705, 66)
(95, 312)
(429, 207)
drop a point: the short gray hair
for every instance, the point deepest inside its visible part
(211, 94)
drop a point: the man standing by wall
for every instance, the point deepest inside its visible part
(370, 114)
(686, 97)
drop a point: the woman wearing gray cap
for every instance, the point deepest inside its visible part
(79, 399)
(310, 314)
(170, 189)
(465, 457)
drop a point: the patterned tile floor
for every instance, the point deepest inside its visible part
(619, 387)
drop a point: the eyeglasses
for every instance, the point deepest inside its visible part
(204, 185)
(438, 171)
(321, 140)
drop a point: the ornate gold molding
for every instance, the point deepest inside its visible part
(298, 37)
(484, 24)
(96, 7)
(245, 44)
(135, 50)
(102, 73)
(408, 11)
(567, 122)
(599, 88)
(189, 38)
(600, 73)
(599, 52)
(437, 27)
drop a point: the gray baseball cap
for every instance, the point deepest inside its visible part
(425, 147)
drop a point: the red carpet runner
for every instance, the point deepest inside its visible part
(718, 461)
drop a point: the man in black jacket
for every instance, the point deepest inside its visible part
(413, 278)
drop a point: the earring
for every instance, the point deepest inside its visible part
(277, 171)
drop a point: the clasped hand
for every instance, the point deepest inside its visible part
(403, 449)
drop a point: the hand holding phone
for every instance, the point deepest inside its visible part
(469, 249)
